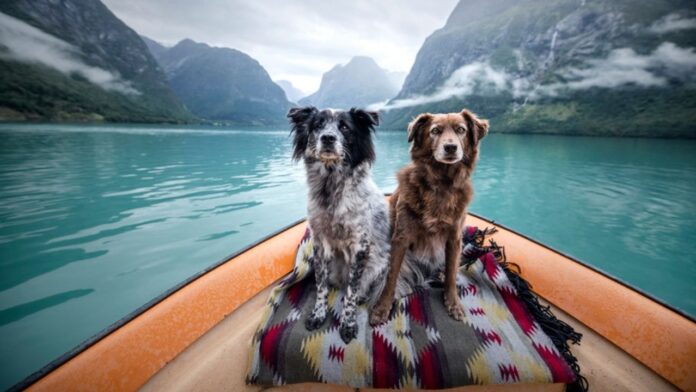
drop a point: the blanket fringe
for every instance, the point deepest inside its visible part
(558, 331)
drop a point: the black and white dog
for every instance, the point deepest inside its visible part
(346, 211)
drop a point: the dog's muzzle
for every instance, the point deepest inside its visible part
(450, 153)
(327, 149)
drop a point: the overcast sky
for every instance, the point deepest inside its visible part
(294, 40)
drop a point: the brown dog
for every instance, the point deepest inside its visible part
(428, 208)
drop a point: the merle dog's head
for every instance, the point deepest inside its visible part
(333, 137)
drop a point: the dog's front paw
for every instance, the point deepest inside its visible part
(348, 332)
(313, 322)
(454, 307)
(379, 314)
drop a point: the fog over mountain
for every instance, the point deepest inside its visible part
(74, 60)
(293, 93)
(560, 66)
(397, 78)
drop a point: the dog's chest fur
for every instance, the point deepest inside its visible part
(439, 202)
(440, 199)
(339, 204)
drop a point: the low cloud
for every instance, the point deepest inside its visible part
(626, 67)
(24, 43)
(477, 76)
(673, 22)
(621, 67)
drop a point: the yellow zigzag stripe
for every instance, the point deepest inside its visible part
(357, 365)
(311, 350)
(478, 369)
(530, 370)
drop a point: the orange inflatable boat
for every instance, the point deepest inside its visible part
(197, 335)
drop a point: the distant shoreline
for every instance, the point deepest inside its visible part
(281, 126)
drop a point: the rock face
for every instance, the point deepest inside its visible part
(222, 84)
(361, 82)
(74, 60)
(591, 67)
(293, 93)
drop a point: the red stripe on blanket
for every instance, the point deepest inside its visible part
(509, 373)
(491, 266)
(384, 360)
(560, 370)
(270, 343)
(295, 294)
(428, 368)
(416, 309)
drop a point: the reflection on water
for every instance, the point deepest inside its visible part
(20, 311)
(96, 221)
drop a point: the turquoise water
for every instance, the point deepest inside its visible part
(96, 221)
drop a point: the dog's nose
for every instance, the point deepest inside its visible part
(328, 139)
(450, 148)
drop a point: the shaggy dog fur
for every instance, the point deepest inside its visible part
(428, 208)
(347, 213)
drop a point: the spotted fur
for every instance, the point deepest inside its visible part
(347, 214)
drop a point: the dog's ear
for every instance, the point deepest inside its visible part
(478, 127)
(299, 117)
(365, 118)
(415, 128)
(362, 148)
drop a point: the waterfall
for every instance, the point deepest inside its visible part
(551, 48)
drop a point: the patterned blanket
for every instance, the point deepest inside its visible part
(506, 337)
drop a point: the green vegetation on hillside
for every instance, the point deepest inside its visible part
(38, 93)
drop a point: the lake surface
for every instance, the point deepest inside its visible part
(96, 221)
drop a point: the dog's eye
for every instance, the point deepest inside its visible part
(461, 130)
(343, 128)
(436, 131)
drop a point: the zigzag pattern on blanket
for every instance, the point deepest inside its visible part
(419, 347)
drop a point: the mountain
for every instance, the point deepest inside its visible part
(293, 93)
(155, 48)
(222, 84)
(580, 67)
(73, 60)
(361, 82)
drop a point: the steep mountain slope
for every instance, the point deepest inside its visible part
(155, 48)
(74, 60)
(361, 82)
(593, 67)
(293, 93)
(223, 84)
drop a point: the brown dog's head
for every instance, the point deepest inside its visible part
(447, 138)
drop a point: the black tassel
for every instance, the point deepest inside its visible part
(558, 331)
